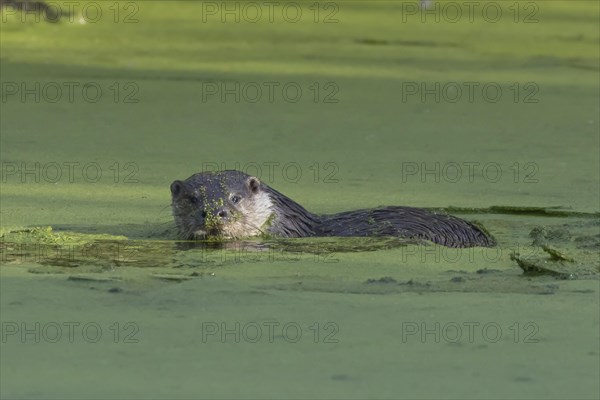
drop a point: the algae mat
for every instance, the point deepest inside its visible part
(489, 110)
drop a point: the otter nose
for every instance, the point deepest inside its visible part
(219, 213)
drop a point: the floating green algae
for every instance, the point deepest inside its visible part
(47, 235)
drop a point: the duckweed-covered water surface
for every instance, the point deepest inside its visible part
(492, 117)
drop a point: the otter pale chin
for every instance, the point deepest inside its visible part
(234, 205)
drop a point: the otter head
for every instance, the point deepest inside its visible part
(227, 204)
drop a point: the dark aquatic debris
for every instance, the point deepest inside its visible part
(582, 263)
(487, 271)
(556, 255)
(558, 211)
(93, 278)
(385, 279)
(539, 267)
(172, 277)
(406, 43)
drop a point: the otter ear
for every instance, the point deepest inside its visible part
(176, 188)
(253, 184)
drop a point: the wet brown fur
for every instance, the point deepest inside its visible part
(231, 204)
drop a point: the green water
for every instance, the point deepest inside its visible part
(87, 236)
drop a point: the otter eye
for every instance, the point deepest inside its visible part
(193, 200)
(235, 199)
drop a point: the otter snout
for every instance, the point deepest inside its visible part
(214, 214)
(222, 213)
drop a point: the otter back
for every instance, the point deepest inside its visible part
(406, 222)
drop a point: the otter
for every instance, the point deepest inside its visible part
(232, 205)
